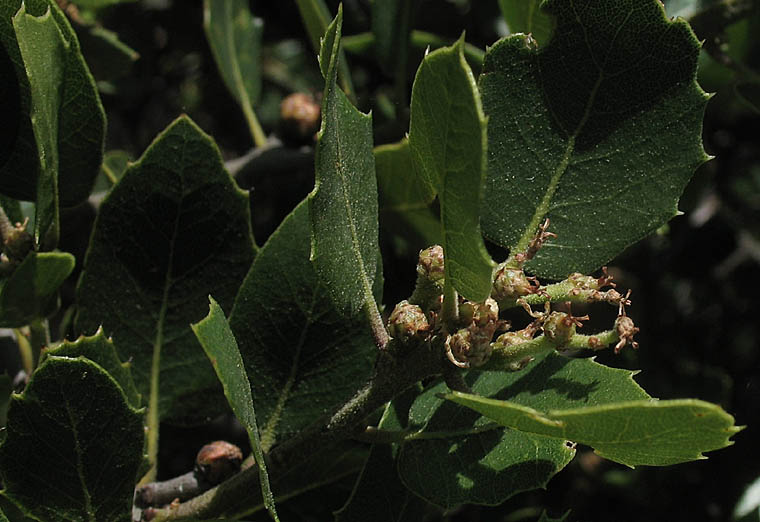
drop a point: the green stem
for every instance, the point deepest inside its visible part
(259, 138)
(450, 306)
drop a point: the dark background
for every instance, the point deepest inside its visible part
(695, 284)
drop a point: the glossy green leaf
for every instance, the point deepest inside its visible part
(235, 39)
(172, 231)
(31, 291)
(74, 445)
(214, 334)
(478, 461)
(100, 350)
(526, 16)
(378, 494)
(649, 432)
(343, 204)
(599, 131)
(447, 137)
(302, 357)
(43, 50)
(81, 120)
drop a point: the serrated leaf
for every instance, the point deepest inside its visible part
(81, 120)
(234, 36)
(74, 444)
(214, 334)
(447, 138)
(31, 291)
(101, 351)
(653, 433)
(378, 494)
(598, 131)
(478, 461)
(301, 356)
(525, 16)
(172, 231)
(343, 204)
(43, 50)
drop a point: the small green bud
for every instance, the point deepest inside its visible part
(407, 322)
(17, 242)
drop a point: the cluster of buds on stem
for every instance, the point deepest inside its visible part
(470, 345)
(17, 243)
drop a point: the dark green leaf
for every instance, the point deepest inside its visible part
(649, 432)
(343, 205)
(526, 16)
(447, 137)
(479, 461)
(101, 351)
(301, 356)
(220, 346)
(378, 494)
(31, 291)
(598, 131)
(173, 230)
(74, 445)
(81, 120)
(43, 50)
(315, 16)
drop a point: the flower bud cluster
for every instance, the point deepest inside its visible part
(512, 283)
(430, 273)
(471, 344)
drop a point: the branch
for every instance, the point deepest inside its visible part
(393, 374)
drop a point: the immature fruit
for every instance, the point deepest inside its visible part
(471, 345)
(299, 117)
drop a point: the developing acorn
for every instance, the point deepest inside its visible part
(430, 274)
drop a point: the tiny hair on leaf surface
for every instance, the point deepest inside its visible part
(584, 130)
(73, 445)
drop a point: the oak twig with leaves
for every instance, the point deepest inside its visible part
(574, 141)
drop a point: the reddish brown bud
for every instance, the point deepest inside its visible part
(299, 117)
(217, 461)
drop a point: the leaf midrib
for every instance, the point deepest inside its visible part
(543, 208)
(269, 432)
